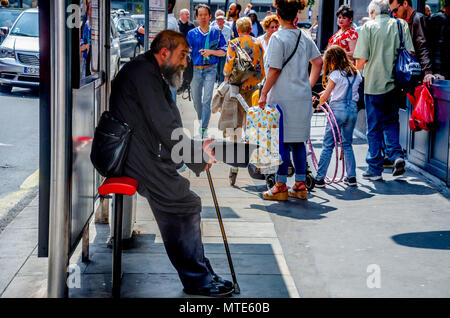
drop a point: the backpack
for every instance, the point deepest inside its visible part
(243, 67)
(407, 70)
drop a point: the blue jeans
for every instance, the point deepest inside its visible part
(382, 119)
(220, 66)
(345, 115)
(202, 87)
(299, 155)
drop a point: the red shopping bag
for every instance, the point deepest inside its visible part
(422, 116)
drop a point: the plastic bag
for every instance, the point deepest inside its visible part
(422, 116)
(262, 129)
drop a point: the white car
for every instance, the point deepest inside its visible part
(19, 53)
(114, 52)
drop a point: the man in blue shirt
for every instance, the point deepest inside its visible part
(207, 45)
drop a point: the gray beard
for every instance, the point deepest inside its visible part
(177, 79)
(173, 76)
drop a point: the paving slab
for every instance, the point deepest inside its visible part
(9, 267)
(18, 242)
(34, 286)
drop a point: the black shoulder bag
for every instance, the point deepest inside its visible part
(110, 145)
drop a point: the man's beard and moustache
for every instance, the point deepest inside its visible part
(173, 75)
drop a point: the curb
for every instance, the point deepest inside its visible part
(12, 204)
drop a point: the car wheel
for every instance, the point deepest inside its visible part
(5, 89)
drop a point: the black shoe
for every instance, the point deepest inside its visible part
(399, 167)
(370, 176)
(216, 277)
(222, 281)
(320, 183)
(213, 289)
(351, 182)
(387, 163)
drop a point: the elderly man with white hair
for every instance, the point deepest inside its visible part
(376, 51)
(220, 13)
(184, 24)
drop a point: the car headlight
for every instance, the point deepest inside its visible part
(5, 52)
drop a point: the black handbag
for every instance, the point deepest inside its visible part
(110, 145)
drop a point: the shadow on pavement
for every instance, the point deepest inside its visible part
(341, 192)
(296, 209)
(439, 240)
(209, 212)
(148, 272)
(399, 187)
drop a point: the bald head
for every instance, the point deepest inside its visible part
(184, 15)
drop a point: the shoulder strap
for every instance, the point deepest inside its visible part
(400, 32)
(207, 40)
(295, 50)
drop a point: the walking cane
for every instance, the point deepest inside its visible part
(237, 290)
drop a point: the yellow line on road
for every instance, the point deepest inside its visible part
(12, 199)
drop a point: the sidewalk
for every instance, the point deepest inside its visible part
(323, 247)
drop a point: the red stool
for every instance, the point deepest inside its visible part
(119, 187)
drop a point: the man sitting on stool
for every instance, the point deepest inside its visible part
(141, 97)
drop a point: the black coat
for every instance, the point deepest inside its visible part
(185, 27)
(142, 98)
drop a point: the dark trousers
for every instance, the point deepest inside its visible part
(220, 78)
(382, 124)
(183, 242)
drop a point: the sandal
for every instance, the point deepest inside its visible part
(279, 192)
(298, 191)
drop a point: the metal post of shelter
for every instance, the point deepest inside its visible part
(59, 228)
